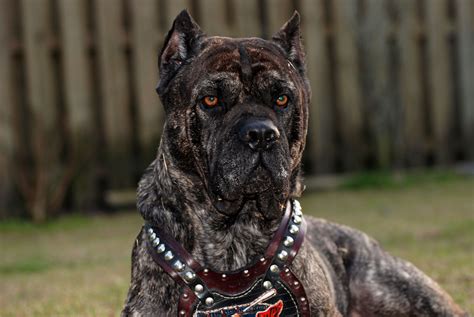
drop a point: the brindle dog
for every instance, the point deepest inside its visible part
(229, 160)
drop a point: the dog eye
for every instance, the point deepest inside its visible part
(210, 101)
(281, 101)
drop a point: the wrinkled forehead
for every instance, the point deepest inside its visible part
(245, 57)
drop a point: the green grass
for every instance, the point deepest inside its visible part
(390, 180)
(80, 266)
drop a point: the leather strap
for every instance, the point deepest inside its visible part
(273, 246)
(207, 275)
(200, 283)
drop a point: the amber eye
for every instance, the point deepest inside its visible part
(282, 101)
(210, 101)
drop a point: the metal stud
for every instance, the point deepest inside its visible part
(267, 284)
(224, 276)
(288, 242)
(274, 268)
(303, 299)
(198, 288)
(283, 255)
(169, 255)
(297, 205)
(246, 272)
(297, 219)
(156, 242)
(262, 259)
(150, 231)
(209, 301)
(189, 276)
(161, 248)
(294, 229)
(182, 313)
(152, 236)
(297, 209)
(179, 266)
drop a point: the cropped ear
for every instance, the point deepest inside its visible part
(289, 39)
(181, 43)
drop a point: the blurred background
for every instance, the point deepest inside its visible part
(390, 146)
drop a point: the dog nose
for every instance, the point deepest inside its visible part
(259, 134)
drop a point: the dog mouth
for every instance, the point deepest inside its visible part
(268, 205)
(258, 181)
(256, 188)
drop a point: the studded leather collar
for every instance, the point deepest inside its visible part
(267, 288)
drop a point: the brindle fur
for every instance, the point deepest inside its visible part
(344, 272)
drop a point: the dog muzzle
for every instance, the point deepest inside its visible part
(268, 288)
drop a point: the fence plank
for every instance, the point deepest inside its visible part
(214, 19)
(410, 84)
(465, 43)
(79, 102)
(379, 100)
(440, 90)
(37, 37)
(247, 20)
(343, 123)
(42, 103)
(115, 94)
(6, 110)
(321, 121)
(349, 99)
(145, 38)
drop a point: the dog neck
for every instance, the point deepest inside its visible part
(264, 277)
(170, 199)
(231, 247)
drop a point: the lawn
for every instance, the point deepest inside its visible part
(80, 266)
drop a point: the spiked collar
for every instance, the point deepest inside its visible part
(265, 288)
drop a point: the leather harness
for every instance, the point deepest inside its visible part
(267, 288)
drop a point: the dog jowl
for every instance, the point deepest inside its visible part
(227, 165)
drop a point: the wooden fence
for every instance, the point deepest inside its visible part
(392, 82)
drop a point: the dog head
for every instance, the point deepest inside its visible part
(236, 113)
